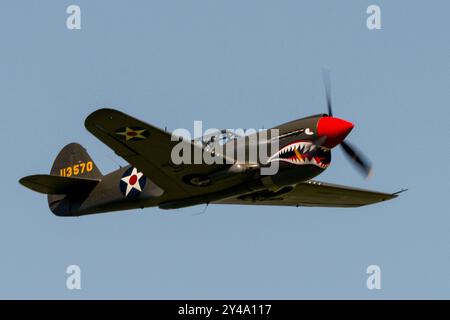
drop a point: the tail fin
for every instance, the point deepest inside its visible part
(72, 178)
(74, 161)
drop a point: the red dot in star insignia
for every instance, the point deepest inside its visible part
(133, 180)
(132, 134)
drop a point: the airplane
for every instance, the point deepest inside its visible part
(76, 187)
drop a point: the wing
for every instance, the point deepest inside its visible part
(148, 148)
(312, 194)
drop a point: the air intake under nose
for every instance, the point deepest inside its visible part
(334, 129)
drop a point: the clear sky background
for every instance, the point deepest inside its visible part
(232, 64)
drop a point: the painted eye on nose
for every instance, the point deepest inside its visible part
(308, 132)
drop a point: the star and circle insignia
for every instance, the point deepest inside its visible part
(133, 133)
(132, 183)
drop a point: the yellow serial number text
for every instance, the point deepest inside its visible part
(77, 169)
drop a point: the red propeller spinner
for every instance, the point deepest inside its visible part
(334, 129)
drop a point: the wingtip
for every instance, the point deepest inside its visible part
(100, 111)
(22, 180)
(90, 119)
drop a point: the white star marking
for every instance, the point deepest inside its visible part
(136, 184)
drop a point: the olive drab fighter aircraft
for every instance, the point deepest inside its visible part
(75, 185)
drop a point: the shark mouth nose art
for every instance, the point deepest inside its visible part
(303, 153)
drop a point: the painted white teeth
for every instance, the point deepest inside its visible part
(305, 161)
(303, 147)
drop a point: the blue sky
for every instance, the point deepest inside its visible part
(232, 64)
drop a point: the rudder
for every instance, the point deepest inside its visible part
(72, 161)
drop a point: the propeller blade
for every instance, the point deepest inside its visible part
(327, 84)
(358, 159)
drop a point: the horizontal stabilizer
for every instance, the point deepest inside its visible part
(50, 184)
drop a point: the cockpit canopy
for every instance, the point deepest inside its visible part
(220, 137)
